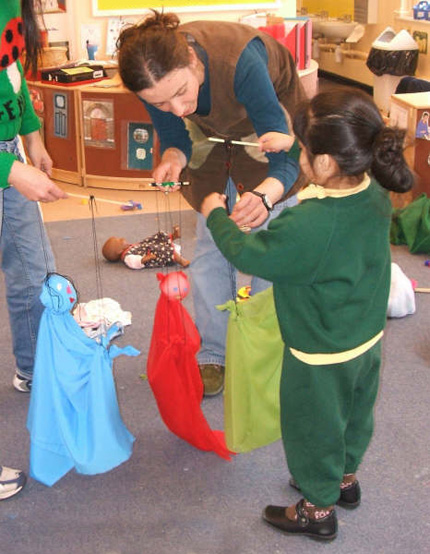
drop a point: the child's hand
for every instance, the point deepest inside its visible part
(214, 200)
(275, 142)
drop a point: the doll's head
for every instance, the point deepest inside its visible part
(174, 285)
(113, 248)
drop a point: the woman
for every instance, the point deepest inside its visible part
(220, 80)
(25, 250)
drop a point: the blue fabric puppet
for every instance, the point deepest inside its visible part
(74, 418)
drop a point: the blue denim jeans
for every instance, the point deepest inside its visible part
(214, 282)
(26, 257)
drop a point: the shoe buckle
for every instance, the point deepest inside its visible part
(302, 518)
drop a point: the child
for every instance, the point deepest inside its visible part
(329, 261)
(159, 250)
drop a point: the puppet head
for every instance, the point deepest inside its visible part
(113, 248)
(174, 285)
(58, 293)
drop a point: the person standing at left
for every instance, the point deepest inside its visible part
(25, 251)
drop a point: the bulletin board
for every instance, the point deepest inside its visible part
(116, 7)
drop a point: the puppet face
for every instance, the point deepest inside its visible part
(58, 294)
(113, 248)
(175, 285)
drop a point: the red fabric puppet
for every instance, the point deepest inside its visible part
(172, 368)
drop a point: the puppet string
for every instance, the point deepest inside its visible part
(168, 223)
(43, 239)
(99, 284)
(230, 204)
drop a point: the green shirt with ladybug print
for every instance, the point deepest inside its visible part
(17, 116)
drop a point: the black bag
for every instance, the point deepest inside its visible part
(392, 62)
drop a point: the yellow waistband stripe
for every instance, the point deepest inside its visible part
(337, 357)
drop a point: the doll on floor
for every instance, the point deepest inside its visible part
(158, 250)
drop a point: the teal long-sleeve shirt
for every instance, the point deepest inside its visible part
(329, 262)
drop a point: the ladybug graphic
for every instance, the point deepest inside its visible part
(11, 42)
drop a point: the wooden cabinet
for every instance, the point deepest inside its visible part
(411, 112)
(99, 137)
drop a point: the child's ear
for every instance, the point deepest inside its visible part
(326, 165)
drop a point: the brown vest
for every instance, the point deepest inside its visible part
(211, 162)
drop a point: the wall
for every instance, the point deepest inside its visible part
(79, 12)
(335, 8)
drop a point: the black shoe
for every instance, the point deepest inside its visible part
(322, 529)
(349, 498)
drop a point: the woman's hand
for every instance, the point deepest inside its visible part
(33, 183)
(37, 152)
(169, 169)
(250, 211)
(212, 201)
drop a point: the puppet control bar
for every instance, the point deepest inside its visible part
(170, 184)
(212, 139)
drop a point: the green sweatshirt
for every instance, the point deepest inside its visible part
(329, 261)
(17, 116)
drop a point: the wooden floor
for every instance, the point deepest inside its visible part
(108, 202)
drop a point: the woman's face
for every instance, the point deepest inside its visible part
(177, 92)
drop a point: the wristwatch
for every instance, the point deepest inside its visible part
(265, 199)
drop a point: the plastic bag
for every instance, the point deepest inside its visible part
(254, 353)
(392, 62)
(411, 226)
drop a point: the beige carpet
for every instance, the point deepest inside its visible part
(109, 202)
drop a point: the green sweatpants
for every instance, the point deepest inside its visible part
(327, 420)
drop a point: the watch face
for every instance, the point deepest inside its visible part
(268, 202)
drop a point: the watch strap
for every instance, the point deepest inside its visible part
(263, 197)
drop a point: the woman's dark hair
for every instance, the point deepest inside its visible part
(31, 33)
(346, 124)
(150, 50)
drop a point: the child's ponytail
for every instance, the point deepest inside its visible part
(389, 166)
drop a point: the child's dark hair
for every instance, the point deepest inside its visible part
(150, 50)
(346, 124)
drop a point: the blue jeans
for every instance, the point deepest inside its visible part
(26, 257)
(214, 283)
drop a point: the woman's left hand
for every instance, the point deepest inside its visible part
(249, 211)
(37, 152)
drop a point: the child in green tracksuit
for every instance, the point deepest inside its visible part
(329, 261)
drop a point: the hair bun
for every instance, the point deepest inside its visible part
(388, 144)
(160, 20)
(389, 165)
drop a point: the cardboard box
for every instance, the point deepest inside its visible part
(411, 111)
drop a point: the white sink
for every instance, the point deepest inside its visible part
(333, 29)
